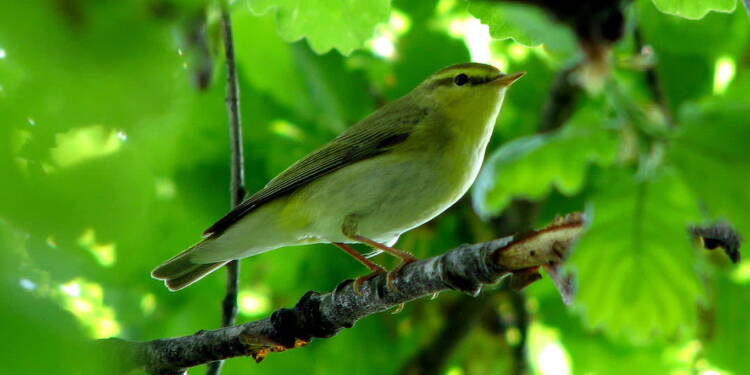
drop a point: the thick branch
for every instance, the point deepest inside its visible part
(465, 268)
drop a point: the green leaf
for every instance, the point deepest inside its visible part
(594, 352)
(530, 167)
(525, 24)
(327, 24)
(694, 9)
(711, 154)
(267, 61)
(729, 332)
(635, 265)
(707, 37)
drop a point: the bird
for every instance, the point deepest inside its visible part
(395, 170)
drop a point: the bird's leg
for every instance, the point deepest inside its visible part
(349, 229)
(374, 267)
(405, 257)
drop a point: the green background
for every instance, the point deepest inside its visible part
(114, 156)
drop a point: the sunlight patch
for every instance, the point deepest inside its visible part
(478, 41)
(286, 129)
(383, 44)
(518, 52)
(27, 284)
(86, 301)
(713, 372)
(723, 74)
(253, 303)
(741, 273)
(165, 188)
(548, 355)
(81, 144)
(104, 253)
(148, 304)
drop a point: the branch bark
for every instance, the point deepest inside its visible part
(466, 268)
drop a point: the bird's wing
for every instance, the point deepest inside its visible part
(373, 136)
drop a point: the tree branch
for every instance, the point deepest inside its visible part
(237, 181)
(465, 268)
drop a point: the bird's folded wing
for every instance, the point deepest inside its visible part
(374, 135)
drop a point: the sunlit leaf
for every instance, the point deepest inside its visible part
(266, 60)
(694, 9)
(635, 265)
(327, 24)
(525, 24)
(711, 153)
(530, 167)
(727, 327)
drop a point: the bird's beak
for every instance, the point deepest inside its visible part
(508, 79)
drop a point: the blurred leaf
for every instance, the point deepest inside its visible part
(679, 35)
(687, 50)
(131, 76)
(266, 60)
(339, 95)
(694, 9)
(526, 24)
(729, 329)
(594, 352)
(531, 166)
(711, 154)
(344, 25)
(39, 336)
(635, 265)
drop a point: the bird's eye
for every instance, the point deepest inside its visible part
(461, 79)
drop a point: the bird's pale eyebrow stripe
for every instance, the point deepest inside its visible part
(443, 81)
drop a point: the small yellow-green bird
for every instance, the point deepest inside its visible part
(395, 170)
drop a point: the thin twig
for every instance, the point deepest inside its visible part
(562, 100)
(237, 181)
(653, 82)
(520, 352)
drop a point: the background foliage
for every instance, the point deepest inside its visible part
(114, 156)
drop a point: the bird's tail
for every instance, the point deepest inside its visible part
(180, 271)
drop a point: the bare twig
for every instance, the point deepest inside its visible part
(520, 352)
(562, 100)
(229, 305)
(465, 268)
(653, 82)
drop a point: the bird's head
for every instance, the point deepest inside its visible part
(468, 89)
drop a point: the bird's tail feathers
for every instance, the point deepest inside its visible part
(179, 271)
